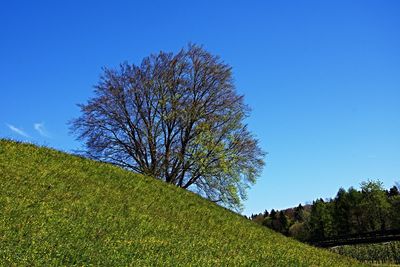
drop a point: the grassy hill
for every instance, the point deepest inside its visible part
(58, 209)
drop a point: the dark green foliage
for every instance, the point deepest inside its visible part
(393, 191)
(266, 214)
(299, 213)
(321, 220)
(283, 223)
(354, 199)
(394, 213)
(351, 212)
(61, 210)
(375, 205)
(273, 214)
(277, 221)
(342, 213)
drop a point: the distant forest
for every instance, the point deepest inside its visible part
(370, 209)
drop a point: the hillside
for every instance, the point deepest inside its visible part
(58, 209)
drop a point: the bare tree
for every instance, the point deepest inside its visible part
(178, 118)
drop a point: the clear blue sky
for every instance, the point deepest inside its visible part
(322, 78)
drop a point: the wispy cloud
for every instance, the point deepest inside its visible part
(18, 131)
(39, 127)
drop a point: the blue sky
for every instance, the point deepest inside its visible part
(322, 78)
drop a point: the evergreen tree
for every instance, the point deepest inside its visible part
(266, 213)
(299, 213)
(283, 223)
(341, 212)
(272, 214)
(394, 191)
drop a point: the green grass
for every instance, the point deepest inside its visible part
(59, 209)
(386, 253)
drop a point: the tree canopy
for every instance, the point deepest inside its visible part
(175, 117)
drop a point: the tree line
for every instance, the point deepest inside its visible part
(352, 211)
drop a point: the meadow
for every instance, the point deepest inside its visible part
(58, 209)
(377, 253)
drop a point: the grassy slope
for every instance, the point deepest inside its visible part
(58, 209)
